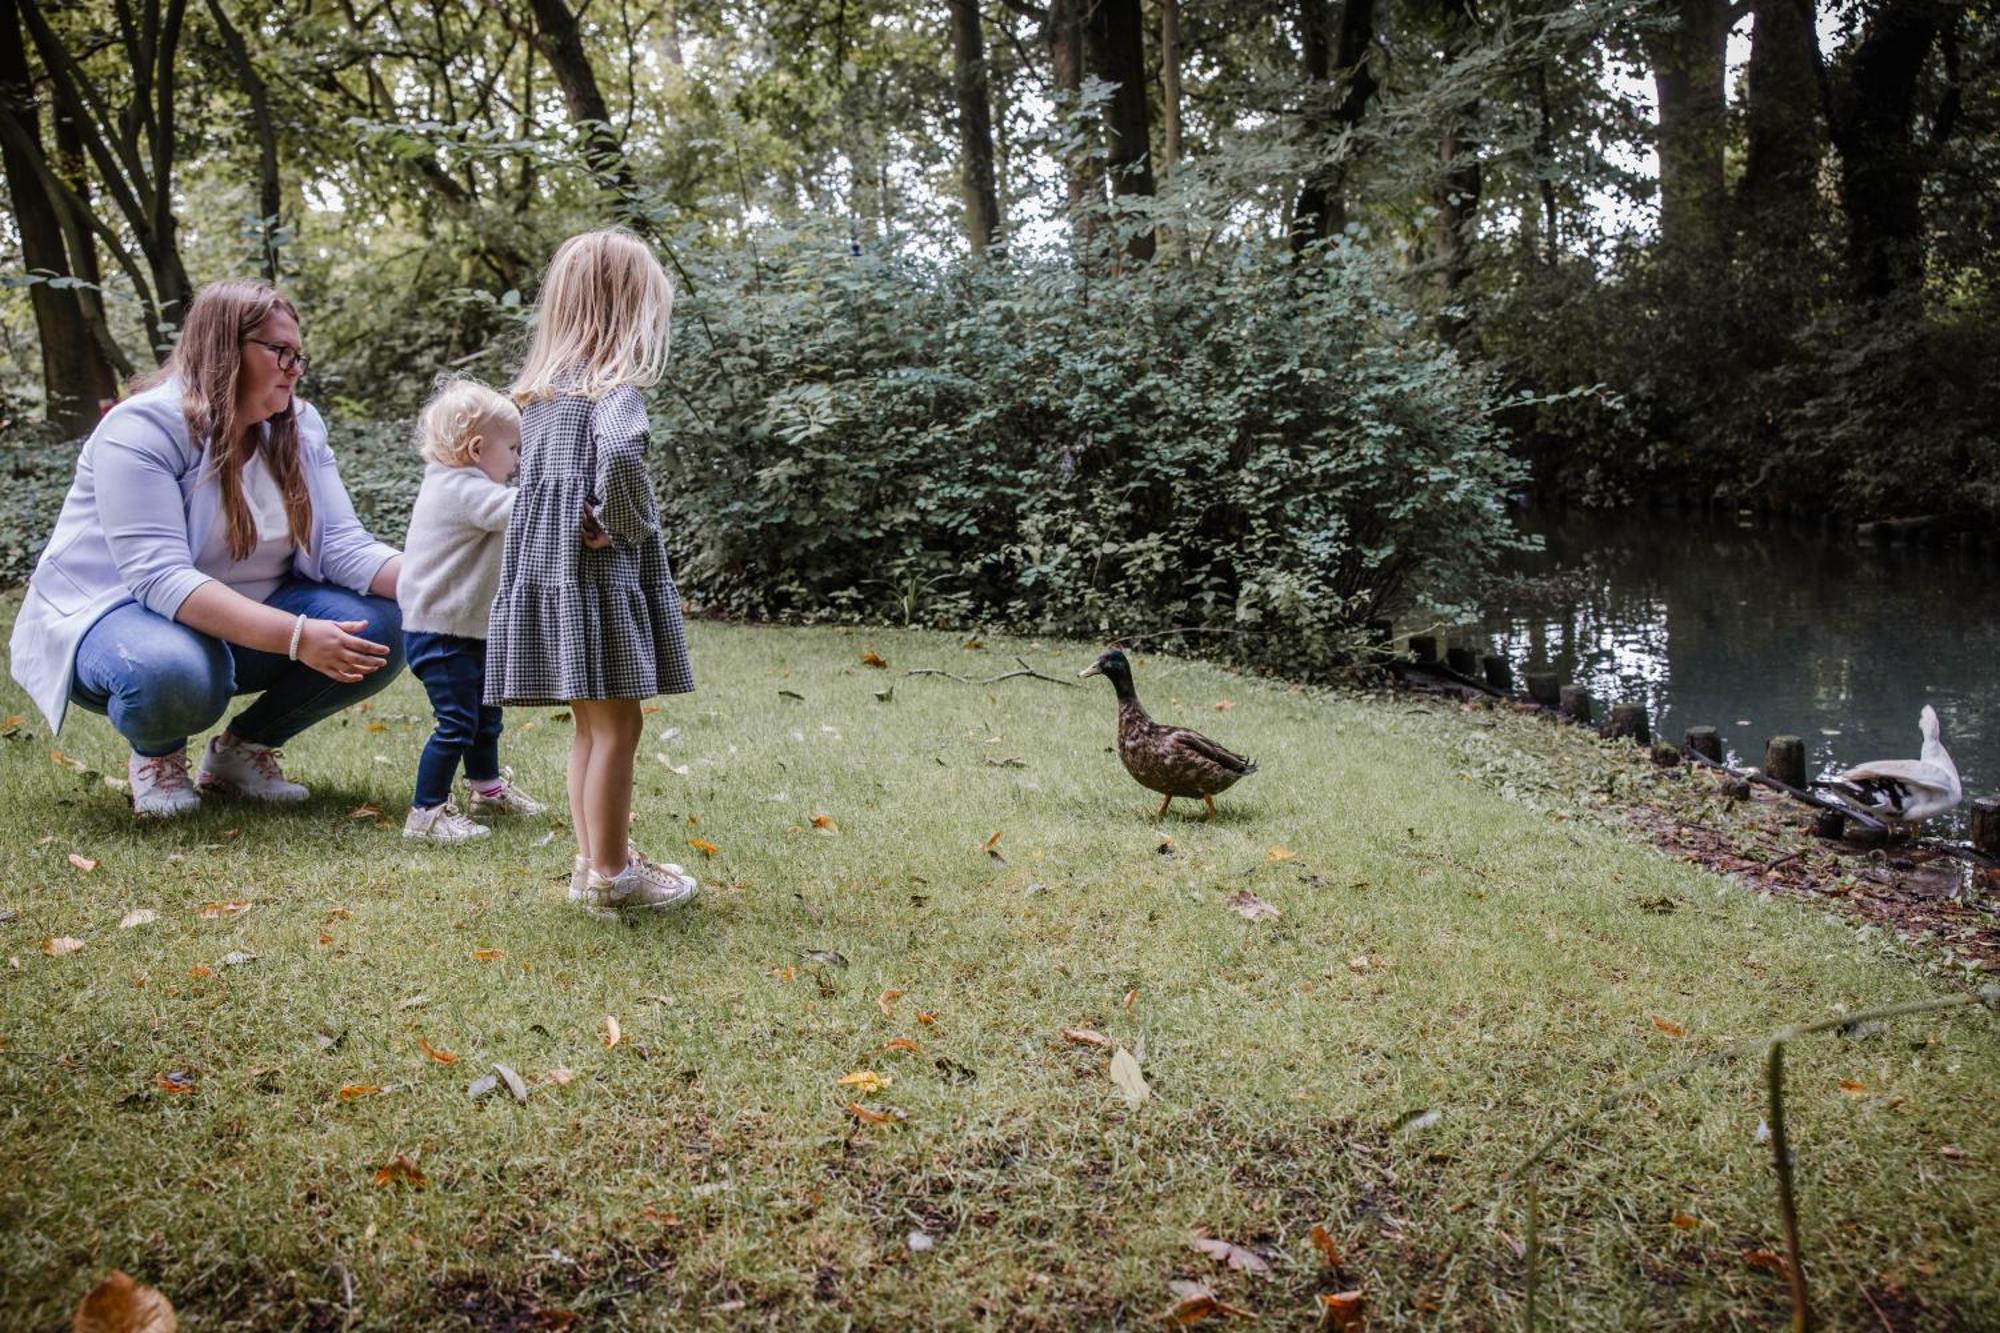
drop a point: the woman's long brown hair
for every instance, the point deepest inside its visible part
(208, 362)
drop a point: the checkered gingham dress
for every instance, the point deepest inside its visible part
(570, 622)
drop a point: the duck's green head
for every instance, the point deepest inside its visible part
(1113, 667)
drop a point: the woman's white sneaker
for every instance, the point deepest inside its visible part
(160, 786)
(245, 768)
(442, 823)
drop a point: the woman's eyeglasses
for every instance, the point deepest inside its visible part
(289, 358)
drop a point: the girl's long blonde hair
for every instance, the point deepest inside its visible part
(208, 363)
(606, 310)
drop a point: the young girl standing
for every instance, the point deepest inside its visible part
(587, 613)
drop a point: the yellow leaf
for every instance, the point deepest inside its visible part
(1668, 1026)
(875, 1116)
(825, 822)
(61, 760)
(1280, 853)
(1682, 1222)
(926, 1017)
(886, 1000)
(217, 911)
(1766, 1259)
(1341, 1310)
(1323, 1242)
(325, 939)
(61, 945)
(612, 1033)
(488, 955)
(442, 1057)
(120, 1305)
(83, 863)
(355, 1090)
(365, 812)
(378, 726)
(866, 1082)
(704, 846)
(1085, 1037)
(874, 659)
(1131, 998)
(1854, 1088)
(993, 842)
(784, 973)
(201, 970)
(902, 1044)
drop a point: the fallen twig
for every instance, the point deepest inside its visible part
(1812, 799)
(1025, 671)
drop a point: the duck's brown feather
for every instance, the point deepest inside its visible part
(1176, 761)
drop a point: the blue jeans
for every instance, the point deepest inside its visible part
(453, 671)
(160, 682)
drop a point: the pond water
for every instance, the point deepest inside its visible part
(1760, 629)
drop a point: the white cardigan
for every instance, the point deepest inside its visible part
(451, 558)
(140, 506)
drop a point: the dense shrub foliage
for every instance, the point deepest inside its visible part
(1263, 445)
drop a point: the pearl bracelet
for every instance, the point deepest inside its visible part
(298, 630)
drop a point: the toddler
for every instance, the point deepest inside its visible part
(470, 437)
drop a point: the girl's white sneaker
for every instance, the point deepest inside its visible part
(443, 823)
(641, 885)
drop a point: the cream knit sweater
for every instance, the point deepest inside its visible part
(451, 559)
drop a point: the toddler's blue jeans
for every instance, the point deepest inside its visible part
(453, 671)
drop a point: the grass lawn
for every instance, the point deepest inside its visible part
(1440, 948)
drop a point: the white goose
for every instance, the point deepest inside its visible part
(1905, 791)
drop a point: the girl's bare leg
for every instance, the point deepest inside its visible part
(579, 764)
(616, 726)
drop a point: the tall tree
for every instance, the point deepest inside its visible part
(559, 36)
(1323, 199)
(1782, 113)
(132, 144)
(1688, 59)
(1459, 181)
(78, 378)
(1309, 214)
(1872, 115)
(975, 125)
(270, 199)
(1115, 37)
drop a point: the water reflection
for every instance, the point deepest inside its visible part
(1761, 631)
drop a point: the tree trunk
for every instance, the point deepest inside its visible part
(1688, 65)
(1777, 193)
(78, 382)
(975, 125)
(560, 38)
(270, 199)
(1457, 194)
(1356, 40)
(1170, 86)
(1116, 39)
(1881, 166)
(1309, 216)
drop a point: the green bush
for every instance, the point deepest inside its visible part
(1261, 445)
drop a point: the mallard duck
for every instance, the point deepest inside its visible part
(1173, 761)
(1905, 791)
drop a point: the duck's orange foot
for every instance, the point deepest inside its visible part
(1209, 801)
(1161, 813)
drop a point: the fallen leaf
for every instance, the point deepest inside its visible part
(355, 1091)
(653, 1214)
(926, 1017)
(200, 970)
(398, 1168)
(874, 659)
(876, 1115)
(413, 1002)
(1672, 1029)
(1224, 705)
(1250, 907)
(482, 1086)
(1341, 1310)
(824, 957)
(120, 1305)
(613, 1034)
(61, 945)
(1683, 1222)
(1766, 1259)
(1238, 1258)
(1854, 1088)
(1198, 1304)
(1125, 1073)
(783, 973)
(138, 916)
(338, 914)
(175, 1082)
(886, 1001)
(1323, 1242)
(703, 845)
(61, 760)
(902, 1044)
(1280, 854)
(442, 1057)
(560, 1076)
(488, 955)
(218, 911)
(365, 812)
(325, 939)
(83, 863)
(1951, 1152)
(1415, 1121)
(513, 1082)
(12, 724)
(1131, 998)
(866, 1082)
(378, 726)
(825, 822)
(1085, 1037)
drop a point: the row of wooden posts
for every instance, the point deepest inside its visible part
(1784, 756)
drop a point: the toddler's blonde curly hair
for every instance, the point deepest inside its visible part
(455, 413)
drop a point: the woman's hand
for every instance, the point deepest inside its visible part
(594, 535)
(332, 648)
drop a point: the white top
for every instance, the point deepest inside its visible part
(451, 559)
(257, 575)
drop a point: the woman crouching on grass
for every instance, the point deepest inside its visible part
(208, 549)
